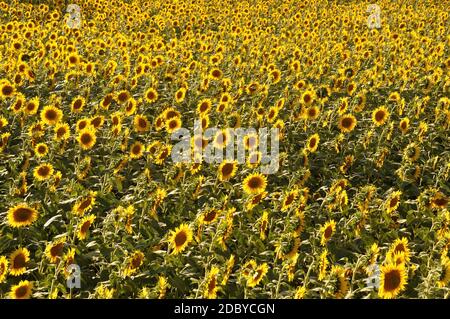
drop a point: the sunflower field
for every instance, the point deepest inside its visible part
(357, 209)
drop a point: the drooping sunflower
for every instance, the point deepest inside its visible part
(21, 215)
(134, 262)
(141, 123)
(227, 169)
(211, 286)
(51, 115)
(323, 265)
(254, 184)
(393, 202)
(313, 143)
(380, 115)
(443, 280)
(18, 261)
(327, 231)
(43, 172)
(393, 280)
(3, 268)
(258, 275)
(137, 150)
(84, 226)
(85, 204)
(55, 250)
(439, 201)
(341, 284)
(288, 199)
(22, 290)
(87, 138)
(180, 238)
(347, 123)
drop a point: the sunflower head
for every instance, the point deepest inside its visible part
(21, 215)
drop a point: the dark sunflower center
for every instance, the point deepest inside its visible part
(255, 182)
(19, 261)
(57, 250)
(347, 122)
(22, 214)
(51, 115)
(180, 239)
(86, 138)
(328, 232)
(392, 280)
(44, 170)
(21, 292)
(85, 227)
(227, 169)
(379, 116)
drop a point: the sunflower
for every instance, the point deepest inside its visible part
(380, 115)
(411, 152)
(347, 123)
(21, 215)
(227, 169)
(78, 104)
(151, 95)
(443, 280)
(137, 150)
(180, 238)
(97, 121)
(258, 275)
(215, 74)
(86, 138)
(327, 231)
(209, 216)
(300, 292)
(222, 138)
(263, 225)
(62, 131)
(141, 123)
(288, 199)
(134, 262)
(404, 125)
(210, 290)
(341, 285)
(3, 268)
(393, 202)
(32, 106)
(41, 149)
(400, 246)
(312, 112)
(204, 106)
(51, 115)
(254, 159)
(323, 264)
(307, 97)
(173, 124)
(180, 95)
(313, 143)
(43, 172)
(254, 184)
(251, 141)
(22, 290)
(7, 90)
(439, 201)
(85, 204)
(272, 114)
(84, 225)
(18, 261)
(392, 280)
(54, 251)
(123, 96)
